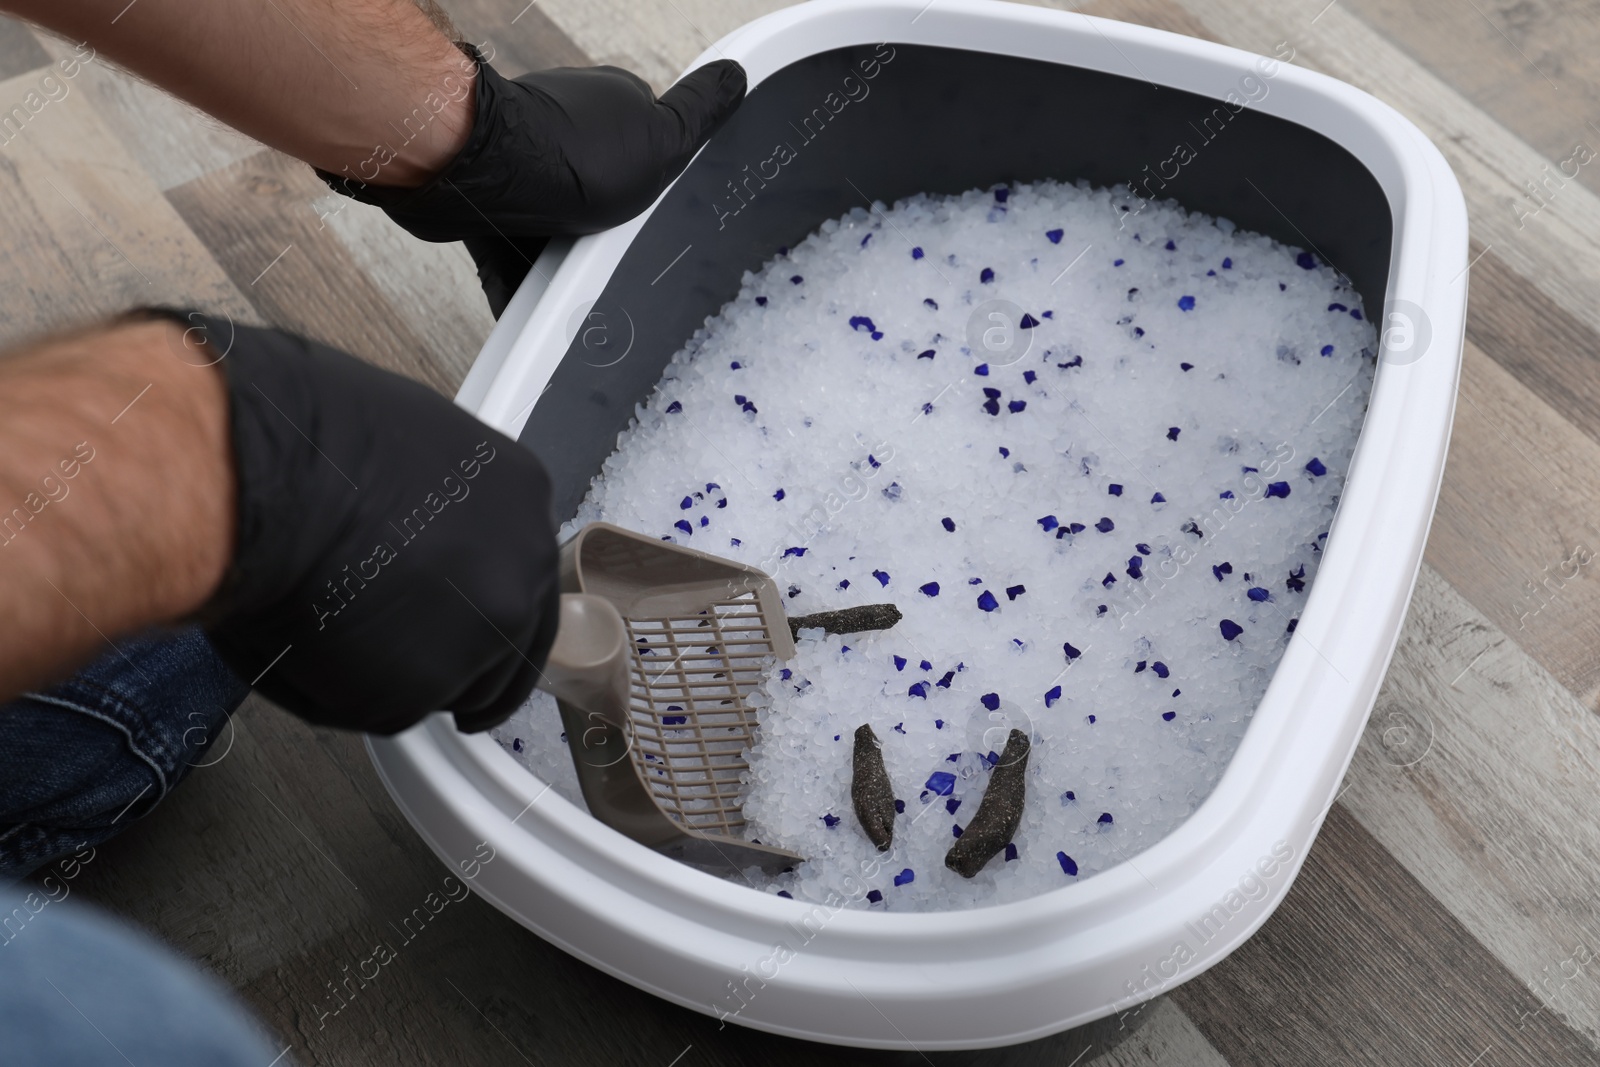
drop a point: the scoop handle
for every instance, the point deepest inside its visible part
(588, 666)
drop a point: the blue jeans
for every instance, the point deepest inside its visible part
(77, 987)
(79, 761)
(82, 759)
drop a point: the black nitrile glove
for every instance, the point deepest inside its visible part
(568, 151)
(394, 555)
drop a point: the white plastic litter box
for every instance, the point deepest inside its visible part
(905, 96)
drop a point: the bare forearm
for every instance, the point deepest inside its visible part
(116, 493)
(368, 88)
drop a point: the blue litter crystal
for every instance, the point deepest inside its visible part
(1160, 669)
(1259, 595)
(986, 601)
(899, 663)
(875, 896)
(905, 877)
(1105, 525)
(1306, 261)
(1072, 652)
(929, 588)
(674, 407)
(794, 550)
(1172, 433)
(683, 524)
(1027, 322)
(882, 576)
(1054, 235)
(1114, 489)
(1053, 695)
(900, 807)
(1315, 468)
(674, 720)
(916, 253)
(941, 782)
(1011, 852)
(1049, 522)
(952, 804)
(779, 495)
(1014, 591)
(1230, 629)
(1066, 861)
(1185, 303)
(831, 820)
(986, 275)
(918, 689)
(1104, 819)
(1278, 489)
(948, 523)
(990, 701)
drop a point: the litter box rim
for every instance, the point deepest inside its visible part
(1040, 965)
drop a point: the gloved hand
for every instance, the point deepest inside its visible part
(568, 151)
(394, 555)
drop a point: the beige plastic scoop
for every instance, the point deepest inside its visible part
(659, 649)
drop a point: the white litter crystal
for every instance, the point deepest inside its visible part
(1100, 520)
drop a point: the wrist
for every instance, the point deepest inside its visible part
(417, 144)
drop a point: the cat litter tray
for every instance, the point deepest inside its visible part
(965, 94)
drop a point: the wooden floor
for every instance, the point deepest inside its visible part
(1448, 914)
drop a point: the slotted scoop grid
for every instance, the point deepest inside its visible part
(692, 676)
(666, 646)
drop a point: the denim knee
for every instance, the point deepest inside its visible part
(82, 759)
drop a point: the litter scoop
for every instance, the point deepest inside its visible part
(659, 650)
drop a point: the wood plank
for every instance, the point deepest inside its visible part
(1361, 965)
(257, 217)
(657, 40)
(1531, 65)
(519, 32)
(433, 287)
(87, 232)
(173, 142)
(1532, 337)
(1517, 503)
(1157, 14)
(1166, 1038)
(1477, 774)
(19, 48)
